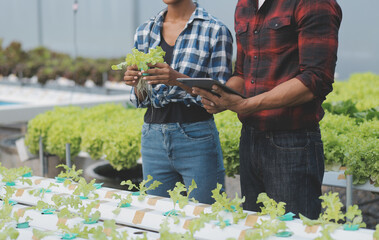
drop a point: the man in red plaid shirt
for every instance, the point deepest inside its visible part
(286, 58)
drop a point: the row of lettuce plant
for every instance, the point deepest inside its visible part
(46, 65)
(350, 128)
(350, 131)
(104, 130)
(71, 206)
(113, 132)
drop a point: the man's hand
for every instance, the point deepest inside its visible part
(215, 104)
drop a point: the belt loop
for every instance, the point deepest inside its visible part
(268, 134)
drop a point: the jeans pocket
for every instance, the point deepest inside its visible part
(198, 131)
(145, 129)
(290, 141)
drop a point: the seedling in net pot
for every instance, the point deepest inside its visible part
(142, 186)
(223, 203)
(270, 206)
(9, 176)
(178, 198)
(86, 190)
(124, 202)
(69, 174)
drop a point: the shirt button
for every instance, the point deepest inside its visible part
(256, 32)
(255, 57)
(252, 81)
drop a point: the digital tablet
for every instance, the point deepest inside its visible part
(207, 83)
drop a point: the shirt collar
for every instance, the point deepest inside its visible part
(199, 13)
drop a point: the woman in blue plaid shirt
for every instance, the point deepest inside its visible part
(180, 142)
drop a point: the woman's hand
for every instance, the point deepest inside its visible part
(132, 76)
(162, 73)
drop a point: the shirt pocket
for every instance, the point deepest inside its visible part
(279, 34)
(279, 22)
(242, 34)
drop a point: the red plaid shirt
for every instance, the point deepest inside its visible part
(284, 40)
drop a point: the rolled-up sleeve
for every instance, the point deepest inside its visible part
(318, 22)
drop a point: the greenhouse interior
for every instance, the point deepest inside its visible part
(81, 156)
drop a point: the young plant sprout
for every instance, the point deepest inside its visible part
(69, 174)
(354, 217)
(86, 190)
(8, 232)
(165, 233)
(71, 201)
(332, 211)
(108, 232)
(6, 209)
(45, 207)
(142, 186)
(78, 230)
(270, 206)
(223, 203)
(178, 198)
(124, 202)
(85, 212)
(332, 214)
(9, 191)
(22, 222)
(40, 192)
(38, 234)
(265, 229)
(376, 233)
(9, 176)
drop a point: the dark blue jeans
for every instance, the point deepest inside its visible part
(176, 152)
(287, 165)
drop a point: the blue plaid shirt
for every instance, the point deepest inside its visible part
(203, 50)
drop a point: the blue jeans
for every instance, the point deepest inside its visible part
(287, 165)
(176, 152)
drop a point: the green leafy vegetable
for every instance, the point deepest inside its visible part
(142, 186)
(376, 233)
(87, 214)
(270, 206)
(84, 189)
(70, 174)
(12, 174)
(9, 233)
(124, 201)
(176, 194)
(265, 229)
(141, 59)
(223, 203)
(354, 216)
(326, 230)
(39, 234)
(332, 207)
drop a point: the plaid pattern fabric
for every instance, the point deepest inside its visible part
(204, 50)
(285, 40)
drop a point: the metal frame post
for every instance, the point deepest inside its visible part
(68, 155)
(349, 191)
(42, 159)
